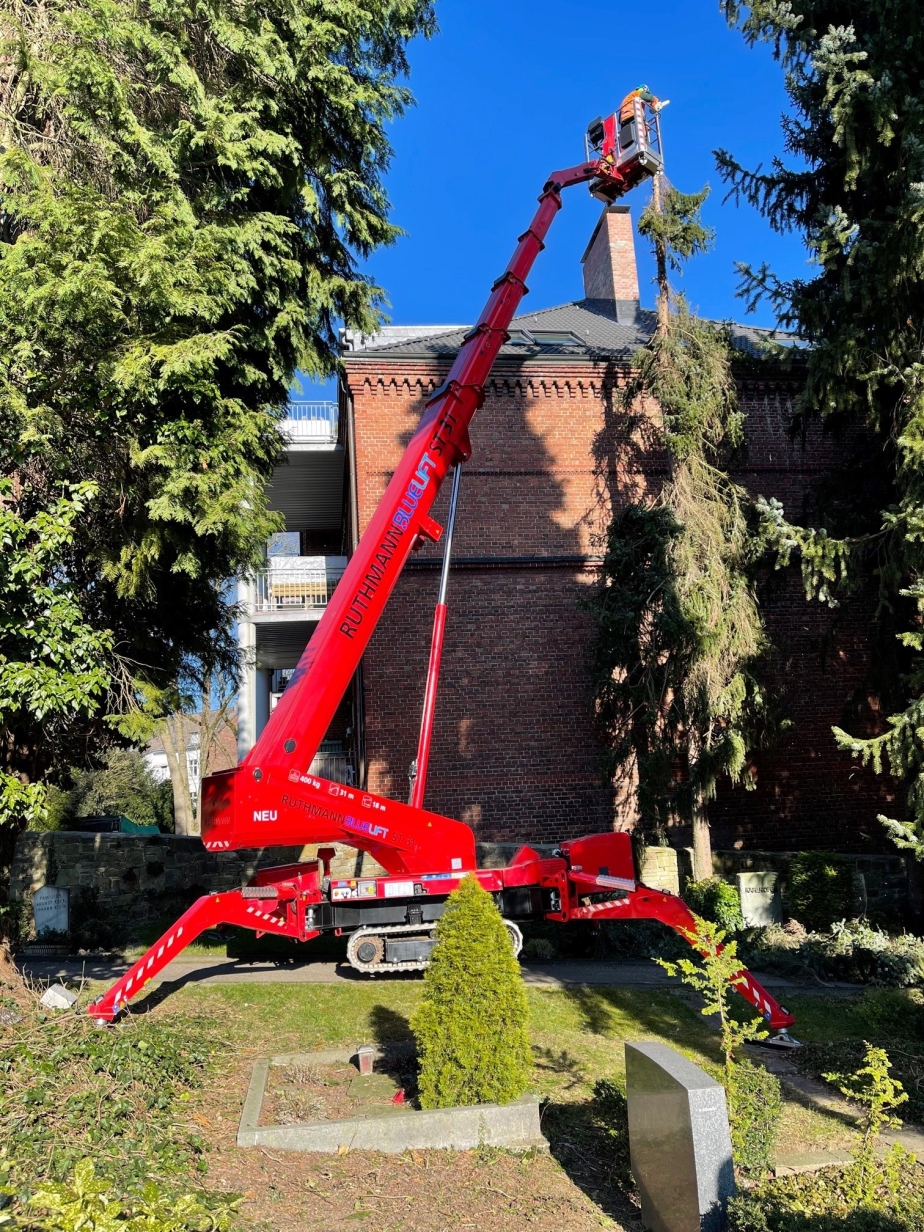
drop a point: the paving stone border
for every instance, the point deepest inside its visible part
(513, 1126)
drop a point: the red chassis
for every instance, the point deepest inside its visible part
(271, 800)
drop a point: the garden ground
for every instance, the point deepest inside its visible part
(577, 1032)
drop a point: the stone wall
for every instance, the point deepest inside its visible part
(140, 878)
(885, 883)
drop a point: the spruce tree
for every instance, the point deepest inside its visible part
(854, 74)
(472, 1026)
(679, 629)
(187, 189)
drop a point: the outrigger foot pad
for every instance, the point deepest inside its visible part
(782, 1042)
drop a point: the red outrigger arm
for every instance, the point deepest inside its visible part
(272, 799)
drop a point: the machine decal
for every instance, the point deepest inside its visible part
(412, 494)
(370, 583)
(313, 810)
(398, 889)
(266, 814)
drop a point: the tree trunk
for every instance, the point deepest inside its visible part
(174, 737)
(660, 251)
(702, 843)
(702, 838)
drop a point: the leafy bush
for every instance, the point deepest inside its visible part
(826, 1201)
(86, 1204)
(471, 1028)
(715, 900)
(755, 1104)
(539, 947)
(852, 950)
(821, 889)
(123, 786)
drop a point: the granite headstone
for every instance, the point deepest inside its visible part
(50, 910)
(679, 1141)
(761, 903)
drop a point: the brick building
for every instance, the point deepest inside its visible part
(514, 749)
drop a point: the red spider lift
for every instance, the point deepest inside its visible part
(271, 799)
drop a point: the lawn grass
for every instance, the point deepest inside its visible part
(577, 1033)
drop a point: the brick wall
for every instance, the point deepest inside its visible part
(514, 749)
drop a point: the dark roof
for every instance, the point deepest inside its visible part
(586, 328)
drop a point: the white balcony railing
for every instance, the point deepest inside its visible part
(287, 585)
(310, 423)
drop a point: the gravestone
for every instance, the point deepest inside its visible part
(679, 1141)
(50, 910)
(761, 903)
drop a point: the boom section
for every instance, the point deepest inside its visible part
(402, 520)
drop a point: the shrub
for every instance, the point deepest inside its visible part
(821, 889)
(85, 1204)
(872, 1194)
(755, 1104)
(852, 950)
(715, 900)
(825, 1202)
(471, 1028)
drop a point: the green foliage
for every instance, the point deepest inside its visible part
(678, 625)
(86, 1204)
(611, 1114)
(123, 786)
(857, 130)
(873, 1194)
(826, 1202)
(755, 1104)
(715, 900)
(52, 659)
(187, 191)
(878, 1094)
(471, 1028)
(853, 950)
(754, 1099)
(71, 1091)
(715, 977)
(821, 889)
(672, 222)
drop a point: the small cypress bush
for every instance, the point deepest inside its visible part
(471, 1028)
(821, 890)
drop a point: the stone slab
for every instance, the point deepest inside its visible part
(57, 997)
(679, 1141)
(513, 1126)
(796, 1162)
(761, 898)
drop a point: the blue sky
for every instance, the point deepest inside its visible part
(504, 94)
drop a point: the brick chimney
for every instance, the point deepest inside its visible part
(609, 262)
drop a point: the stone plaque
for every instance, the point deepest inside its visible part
(50, 910)
(760, 899)
(679, 1141)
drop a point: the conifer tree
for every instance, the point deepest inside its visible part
(854, 74)
(472, 1026)
(678, 624)
(186, 190)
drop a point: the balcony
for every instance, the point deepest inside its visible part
(293, 587)
(310, 424)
